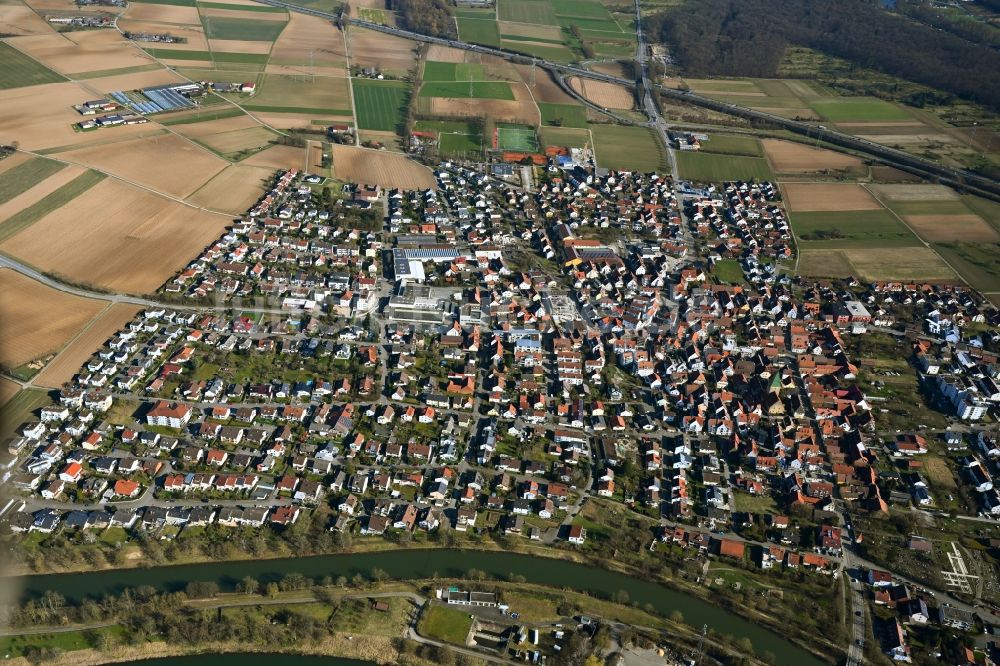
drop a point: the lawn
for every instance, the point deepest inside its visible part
(380, 105)
(25, 176)
(712, 168)
(851, 228)
(17, 646)
(460, 145)
(62, 196)
(20, 70)
(479, 31)
(516, 137)
(731, 144)
(753, 503)
(467, 90)
(373, 15)
(628, 148)
(452, 71)
(215, 56)
(857, 109)
(977, 263)
(563, 115)
(728, 271)
(221, 27)
(568, 137)
(445, 624)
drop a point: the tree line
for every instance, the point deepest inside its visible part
(749, 38)
(429, 17)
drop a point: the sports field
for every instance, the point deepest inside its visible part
(563, 115)
(467, 90)
(19, 70)
(221, 27)
(520, 138)
(715, 168)
(380, 105)
(628, 148)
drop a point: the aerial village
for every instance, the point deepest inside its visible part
(501, 357)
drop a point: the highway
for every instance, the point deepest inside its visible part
(919, 166)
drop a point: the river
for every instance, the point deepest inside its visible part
(423, 563)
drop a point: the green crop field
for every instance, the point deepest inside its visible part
(860, 228)
(25, 176)
(563, 115)
(857, 109)
(979, 263)
(601, 27)
(62, 196)
(20, 70)
(709, 168)
(581, 8)
(217, 56)
(479, 31)
(453, 71)
(380, 105)
(527, 11)
(219, 27)
(551, 53)
(445, 624)
(628, 148)
(730, 144)
(520, 138)
(243, 8)
(203, 116)
(467, 90)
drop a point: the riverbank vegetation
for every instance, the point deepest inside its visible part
(365, 617)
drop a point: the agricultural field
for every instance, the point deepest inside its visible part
(915, 263)
(467, 89)
(26, 175)
(808, 197)
(140, 160)
(68, 362)
(563, 115)
(478, 29)
(277, 157)
(301, 94)
(603, 94)
(117, 237)
(732, 144)
(19, 20)
(790, 157)
(978, 263)
(88, 51)
(361, 165)
(628, 148)
(52, 197)
(860, 228)
(380, 105)
(39, 320)
(20, 70)
(38, 192)
(8, 389)
(310, 41)
(715, 168)
(231, 138)
(390, 54)
(234, 189)
(224, 27)
(858, 109)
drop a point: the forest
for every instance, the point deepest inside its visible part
(429, 17)
(749, 38)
